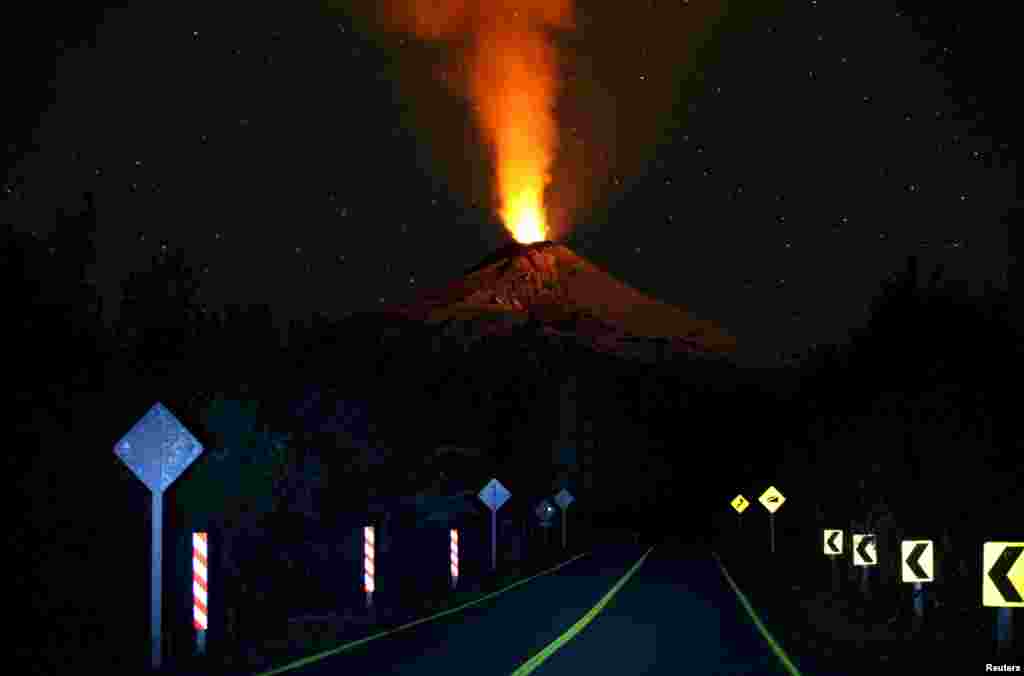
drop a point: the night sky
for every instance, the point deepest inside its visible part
(762, 170)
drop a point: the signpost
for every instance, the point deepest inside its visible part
(564, 499)
(772, 499)
(918, 557)
(833, 550)
(494, 496)
(369, 564)
(1002, 585)
(453, 556)
(865, 554)
(739, 503)
(200, 586)
(157, 449)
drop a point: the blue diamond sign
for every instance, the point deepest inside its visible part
(158, 448)
(564, 499)
(494, 495)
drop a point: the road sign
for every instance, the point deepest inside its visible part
(864, 553)
(564, 499)
(739, 503)
(833, 547)
(918, 558)
(157, 449)
(1002, 582)
(833, 542)
(772, 499)
(494, 496)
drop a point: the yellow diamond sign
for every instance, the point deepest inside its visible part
(772, 499)
(740, 503)
(1002, 574)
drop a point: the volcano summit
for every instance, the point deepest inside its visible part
(562, 294)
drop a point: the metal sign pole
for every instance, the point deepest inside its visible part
(918, 606)
(835, 574)
(494, 540)
(155, 579)
(157, 450)
(1002, 588)
(917, 563)
(494, 496)
(1004, 630)
(564, 498)
(772, 499)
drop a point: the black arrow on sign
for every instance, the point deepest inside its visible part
(832, 541)
(914, 560)
(862, 548)
(1000, 571)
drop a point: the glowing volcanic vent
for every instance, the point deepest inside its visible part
(524, 217)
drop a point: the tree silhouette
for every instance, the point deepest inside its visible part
(51, 279)
(911, 406)
(160, 312)
(239, 476)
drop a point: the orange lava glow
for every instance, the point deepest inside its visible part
(523, 211)
(510, 74)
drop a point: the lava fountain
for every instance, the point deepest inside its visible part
(508, 71)
(514, 85)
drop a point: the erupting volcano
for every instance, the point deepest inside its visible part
(564, 295)
(504, 62)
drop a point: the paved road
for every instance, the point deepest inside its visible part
(676, 615)
(493, 637)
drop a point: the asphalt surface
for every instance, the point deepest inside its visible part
(675, 615)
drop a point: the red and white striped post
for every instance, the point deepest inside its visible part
(199, 590)
(369, 546)
(453, 557)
